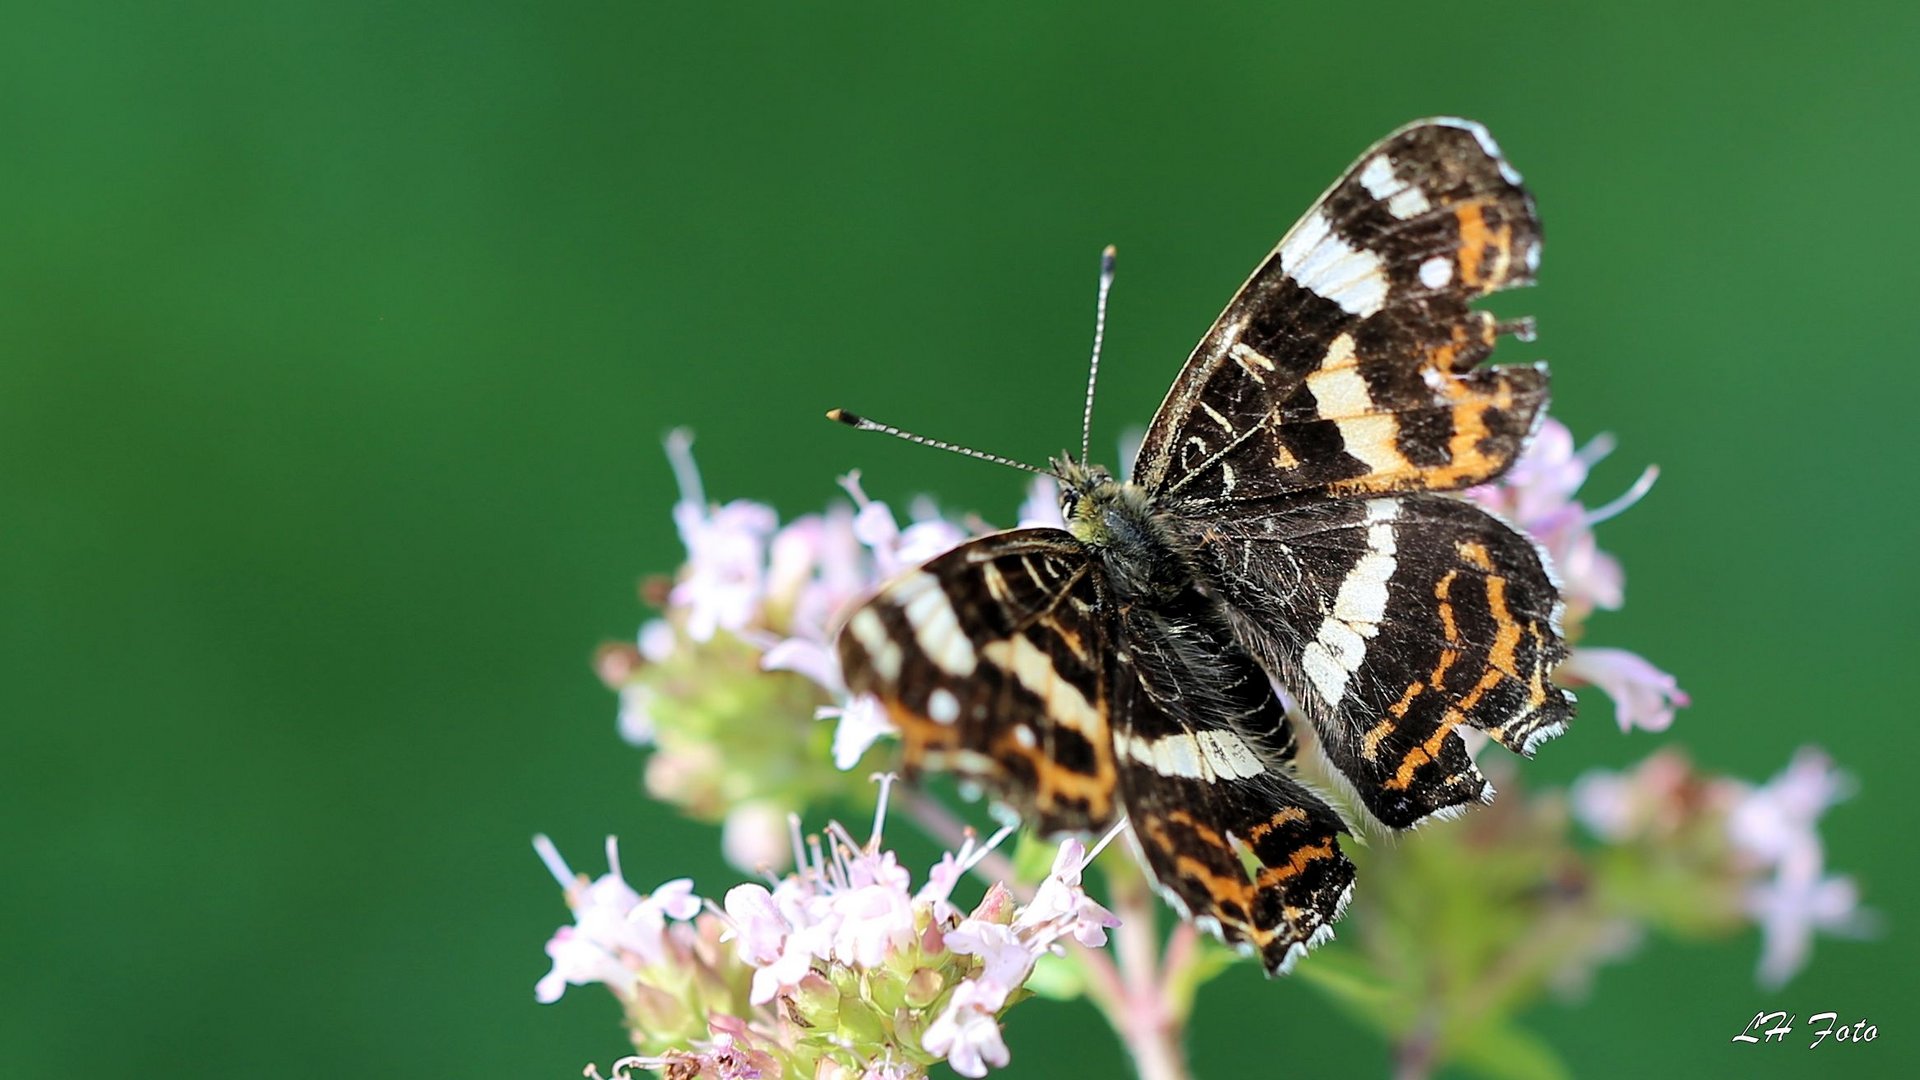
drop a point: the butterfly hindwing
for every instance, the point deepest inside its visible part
(992, 661)
(1346, 364)
(1394, 621)
(1228, 833)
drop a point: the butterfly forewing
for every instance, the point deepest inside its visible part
(1344, 365)
(992, 661)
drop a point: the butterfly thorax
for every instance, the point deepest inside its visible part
(1139, 545)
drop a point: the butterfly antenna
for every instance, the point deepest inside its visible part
(1099, 333)
(861, 423)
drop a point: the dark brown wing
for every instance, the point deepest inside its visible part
(1235, 842)
(992, 661)
(1394, 621)
(1345, 364)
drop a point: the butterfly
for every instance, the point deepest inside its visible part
(1286, 533)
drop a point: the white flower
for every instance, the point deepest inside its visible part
(726, 557)
(1605, 803)
(1777, 819)
(758, 927)
(966, 1034)
(1795, 902)
(1643, 696)
(616, 930)
(1006, 960)
(725, 576)
(895, 549)
(863, 722)
(1060, 908)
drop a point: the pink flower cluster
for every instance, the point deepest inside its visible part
(1538, 496)
(851, 907)
(818, 943)
(780, 587)
(1766, 835)
(616, 931)
(1774, 824)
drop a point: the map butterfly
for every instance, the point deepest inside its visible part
(1286, 527)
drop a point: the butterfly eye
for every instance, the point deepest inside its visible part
(1069, 502)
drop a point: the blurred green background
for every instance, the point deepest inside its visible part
(337, 341)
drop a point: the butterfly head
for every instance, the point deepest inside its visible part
(1091, 499)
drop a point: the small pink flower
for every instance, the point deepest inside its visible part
(863, 722)
(725, 575)
(726, 553)
(966, 1033)
(1777, 819)
(1538, 496)
(1005, 959)
(1604, 802)
(895, 549)
(1060, 908)
(814, 660)
(758, 928)
(1643, 696)
(1798, 900)
(616, 930)
(656, 640)
(818, 566)
(871, 921)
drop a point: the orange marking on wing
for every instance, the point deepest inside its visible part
(1370, 742)
(1500, 662)
(1425, 752)
(1537, 681)
(1466, 463)
(1507, 639)
(1225, 890)
(1274, 875)
(1474, 553)
(1399, 708)
(1054, 783)
(1286, 815)
(918, 734)
(1206, 832)
(1071, 638)
(1476, 238)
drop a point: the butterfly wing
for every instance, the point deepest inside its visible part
(1344, 370)
(1395, 621)
(1346, 364)
(1232, 839)
(992, 661)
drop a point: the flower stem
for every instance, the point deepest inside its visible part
(1145, 1018)
(1413, 1056)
